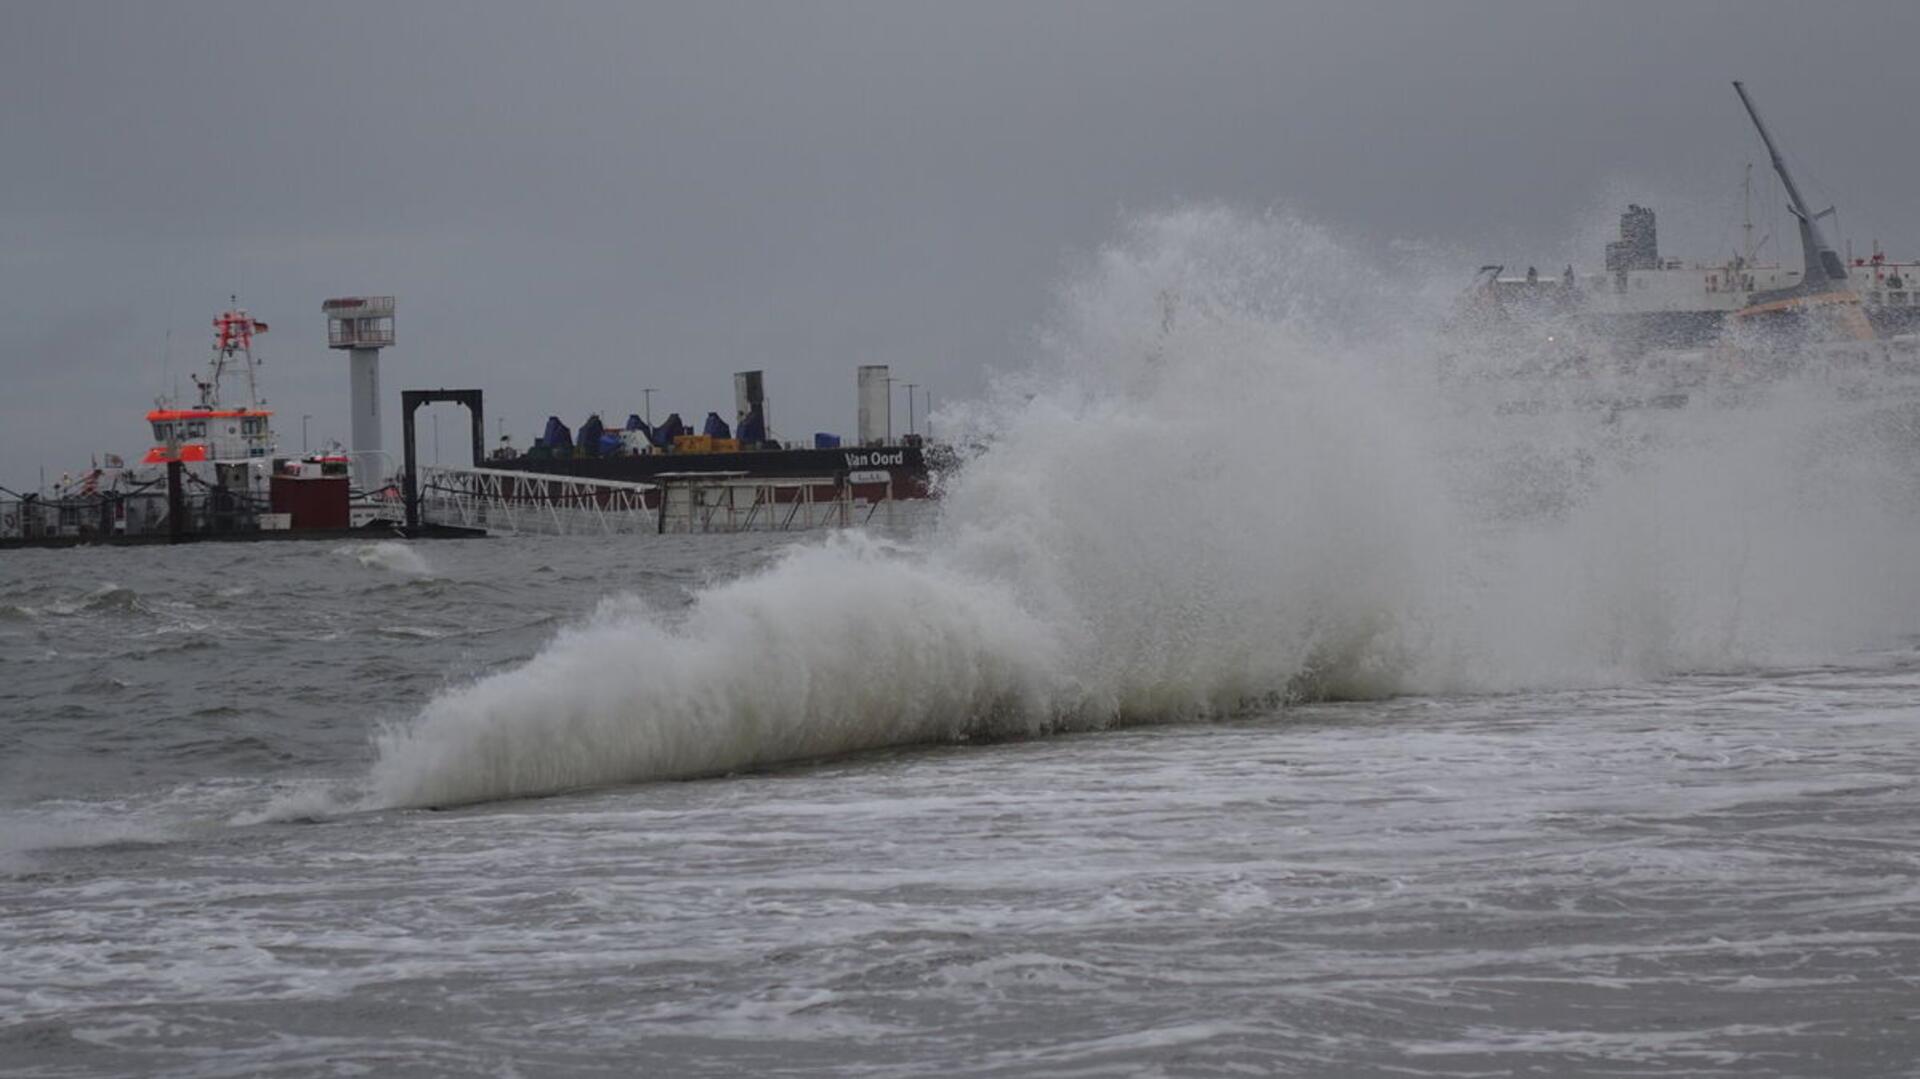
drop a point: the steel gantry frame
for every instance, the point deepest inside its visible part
(410, 402)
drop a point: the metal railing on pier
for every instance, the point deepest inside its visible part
(531, 502)
(540, 503)
(740, 504)
(77, 512)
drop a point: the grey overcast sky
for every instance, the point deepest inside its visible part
(576, 200)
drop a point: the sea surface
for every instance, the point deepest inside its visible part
(1714, 874)
(1278, 687)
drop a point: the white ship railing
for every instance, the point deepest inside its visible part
(498, 500)
(543, 503)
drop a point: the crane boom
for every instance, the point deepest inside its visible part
(1823, 264)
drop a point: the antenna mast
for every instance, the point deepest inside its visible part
(235, 339)
(1746, 216)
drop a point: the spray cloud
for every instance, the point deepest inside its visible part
(1232, 474)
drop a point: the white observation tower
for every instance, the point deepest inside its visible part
(363, 325)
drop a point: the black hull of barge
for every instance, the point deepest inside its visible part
(904, 465)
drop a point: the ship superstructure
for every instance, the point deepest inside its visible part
(1645, 300)
(213, 429)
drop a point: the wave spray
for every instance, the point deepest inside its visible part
(1231, 476)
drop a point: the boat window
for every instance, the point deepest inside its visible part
(162, 431)
(196, 429)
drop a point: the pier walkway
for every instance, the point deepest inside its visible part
(541, 503)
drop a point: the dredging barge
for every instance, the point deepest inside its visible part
(875, 468)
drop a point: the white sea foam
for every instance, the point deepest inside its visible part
(839, 647)
(389, 555)
(1227, 477)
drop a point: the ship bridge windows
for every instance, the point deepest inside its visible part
(253, 425)
(167, 430)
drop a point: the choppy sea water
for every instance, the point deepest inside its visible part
(1710, 874)
(1280, 688)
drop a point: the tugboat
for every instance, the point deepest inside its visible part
(208, 471)
(229, 449)
(212, 474)
(210, 431)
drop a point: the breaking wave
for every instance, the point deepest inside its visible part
(1230, 476)
(841, 647)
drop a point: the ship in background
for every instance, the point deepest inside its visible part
(213, 471)
(1644, 302)
(213, 431)
(876, 466)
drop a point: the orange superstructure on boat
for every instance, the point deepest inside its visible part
(208, 435)
(210, 431)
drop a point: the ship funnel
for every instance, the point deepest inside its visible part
(750, 408)
(876, 402)
(1638, 247)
